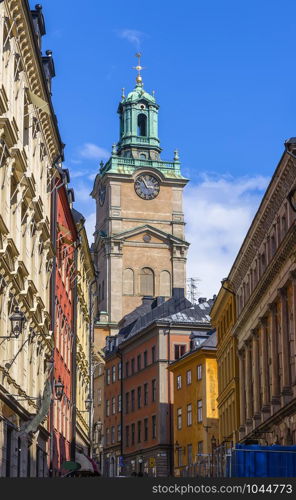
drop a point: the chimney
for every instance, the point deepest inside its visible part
(147, 299)
(157, 301)
(178, 293)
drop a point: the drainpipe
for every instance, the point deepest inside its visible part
(53, 232)
(121, 414)
(170, 404)
(91, 368)
(74, 357)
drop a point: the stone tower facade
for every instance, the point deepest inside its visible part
(139, 238)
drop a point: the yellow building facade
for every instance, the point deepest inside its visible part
(223, 316)
(85, 305)
(195, 415)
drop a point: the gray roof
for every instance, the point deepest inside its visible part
(197, 313)
(175, 310)
(211, 342)
(78, 217)
(207, 341)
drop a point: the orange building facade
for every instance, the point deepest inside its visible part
(153, 336)
(63, 410)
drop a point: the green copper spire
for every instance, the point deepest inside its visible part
(139, 146)
(138, 112)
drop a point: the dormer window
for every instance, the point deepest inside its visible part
(142, 125)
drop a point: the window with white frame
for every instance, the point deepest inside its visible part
(113, 406)
(99, 397)
(179, 418)
(199, 411)
(108, 376)
(199, 372)
(107, 436)
(189, 414)
(113, 373)
(119, 371)
(188, 377)
(179, 381)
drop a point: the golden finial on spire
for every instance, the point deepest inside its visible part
(139, 68)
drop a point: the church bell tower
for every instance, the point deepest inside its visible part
(139, 246)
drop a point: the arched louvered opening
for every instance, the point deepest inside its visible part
(165, 284)
(142, 125)
(128, 282)
(147, 281)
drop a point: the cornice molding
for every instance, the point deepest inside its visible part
(263, 220)
(284, 252)
(32, 65)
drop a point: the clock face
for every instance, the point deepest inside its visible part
(147, 186)
(102, 195)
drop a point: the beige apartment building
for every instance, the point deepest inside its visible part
(263, 278)
(29, 147)
(82, 372)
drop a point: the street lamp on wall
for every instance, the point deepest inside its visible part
(88, 403)
(17, 320)
(59, 389)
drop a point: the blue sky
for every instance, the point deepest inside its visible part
(224, 76)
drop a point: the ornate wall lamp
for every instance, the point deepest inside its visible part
(88, 403)
(59, 389)
(17, 320)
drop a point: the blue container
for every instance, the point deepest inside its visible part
(262, 461)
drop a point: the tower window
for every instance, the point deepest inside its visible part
(147, 281)
(142, 125)
(128, 282)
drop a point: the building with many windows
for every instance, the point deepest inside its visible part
(149, 339)
(29, 146)
(263, 280)
(195, 414)
(223, 316)
(84, 280)
(64, 282)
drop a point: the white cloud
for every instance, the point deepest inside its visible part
(90, 225)
(77, 173)
(133, 36)
(93, 152)
(218, 212)
(92, 176)
(82, 192)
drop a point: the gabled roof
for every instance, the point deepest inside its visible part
(152, 230)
